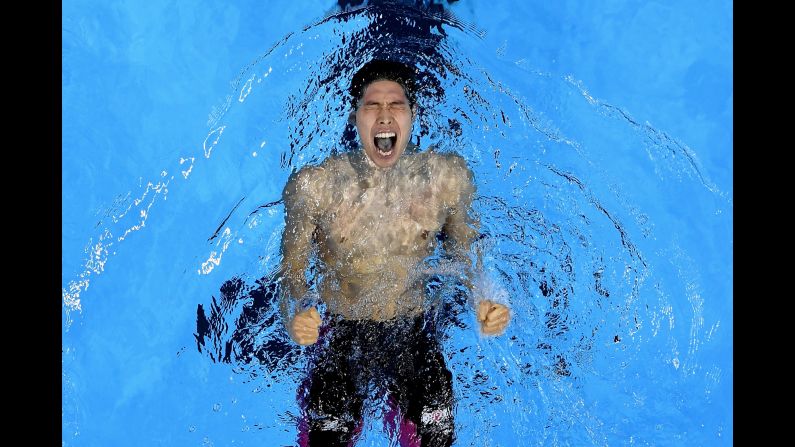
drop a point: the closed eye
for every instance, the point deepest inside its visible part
(394, 105)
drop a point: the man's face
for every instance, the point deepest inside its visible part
(384, 120)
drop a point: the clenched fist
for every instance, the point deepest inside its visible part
(304, 327)
(493, 317)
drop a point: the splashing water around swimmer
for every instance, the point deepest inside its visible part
(582, 264)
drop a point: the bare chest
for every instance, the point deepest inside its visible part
(398, 218)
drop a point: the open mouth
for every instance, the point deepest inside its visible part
(385, 142)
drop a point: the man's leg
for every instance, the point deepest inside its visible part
(432, 409)
(332, 401)
(424, 394)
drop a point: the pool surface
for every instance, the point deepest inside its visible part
(601, 138)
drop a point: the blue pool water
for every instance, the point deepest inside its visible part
(600, 134)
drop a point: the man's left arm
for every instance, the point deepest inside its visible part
(461, 231)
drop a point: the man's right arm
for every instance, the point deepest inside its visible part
(301, 206)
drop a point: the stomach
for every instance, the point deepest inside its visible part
(382, 295)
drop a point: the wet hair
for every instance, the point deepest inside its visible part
(380, 70)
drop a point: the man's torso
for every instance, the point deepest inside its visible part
(375, 229)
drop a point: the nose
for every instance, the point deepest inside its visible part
(384, 115)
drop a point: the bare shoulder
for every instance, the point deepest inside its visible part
(450, 159)
(304, 178)
(315, 185)
(450, 163)
(453, 173)
(304, 189)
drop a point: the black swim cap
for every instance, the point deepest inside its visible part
(377, 70)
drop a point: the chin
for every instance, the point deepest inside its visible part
(384, 160)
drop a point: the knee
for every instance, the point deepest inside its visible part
(436, 426)
(331, 430)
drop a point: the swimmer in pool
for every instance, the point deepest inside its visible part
(365, 221)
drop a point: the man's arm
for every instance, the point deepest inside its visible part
(457, 189)
(461, 231)
(301, 206)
